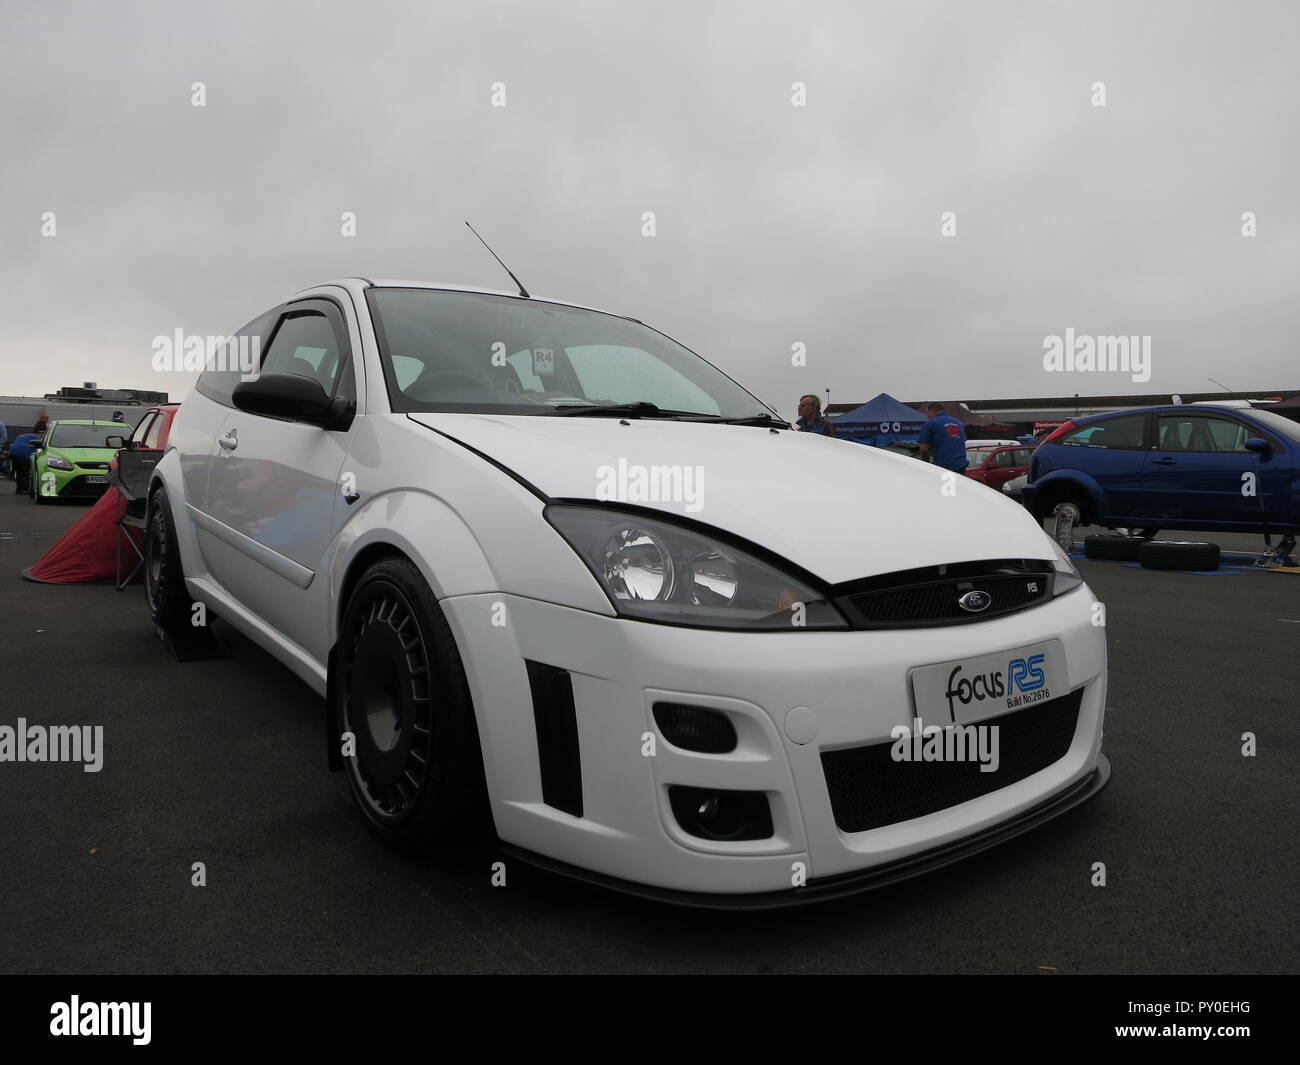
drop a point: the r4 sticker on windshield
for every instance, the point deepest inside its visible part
(543, 361)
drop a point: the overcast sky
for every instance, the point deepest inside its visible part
(775, 224)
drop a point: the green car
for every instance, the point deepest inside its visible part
(73, 462)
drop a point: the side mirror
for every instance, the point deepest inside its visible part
(115, 442)
(37, 445)
(293, 398)
(1258, 445)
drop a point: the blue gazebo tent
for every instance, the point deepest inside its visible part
(879, 421)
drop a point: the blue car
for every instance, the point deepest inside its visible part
(1182, 467)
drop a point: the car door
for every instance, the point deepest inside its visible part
(274, 503)
(1198, 469)
(193, 434)
(1111, 453)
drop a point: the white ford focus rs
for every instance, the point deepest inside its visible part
(544, 562)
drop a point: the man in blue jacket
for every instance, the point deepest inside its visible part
(20, 454)
(943, 440)
(811, 419)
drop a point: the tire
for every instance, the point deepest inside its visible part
(164, 580)
(1112, 548)
(417, 771)
(1175, 554)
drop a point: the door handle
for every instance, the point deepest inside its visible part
(228, 442)
(1164, 462)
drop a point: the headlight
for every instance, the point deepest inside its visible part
(1068, 577)
(655, 570)
(56, 463)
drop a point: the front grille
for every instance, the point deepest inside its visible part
(931, 596)
(79, 487)
(869, 789)
(88, 465)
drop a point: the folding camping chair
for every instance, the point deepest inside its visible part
(131, 480)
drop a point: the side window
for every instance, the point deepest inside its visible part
(139, 435)
(238, 359)
(1181, 432)
(1226, 435)
(1124, 433)
(153, 434)
(305, 345)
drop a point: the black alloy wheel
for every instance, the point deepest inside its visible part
(415, 770)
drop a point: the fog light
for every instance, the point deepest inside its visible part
(721, 815)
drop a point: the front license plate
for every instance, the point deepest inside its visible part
(973, 689)
(97, 478)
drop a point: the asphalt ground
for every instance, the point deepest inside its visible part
(222, 762)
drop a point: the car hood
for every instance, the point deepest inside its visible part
(81, 454)
(839, 510)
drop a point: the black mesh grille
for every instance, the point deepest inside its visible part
(928, 597)
(79, 486)
(695, 728)
(868, 788)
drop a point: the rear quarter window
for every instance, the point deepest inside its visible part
(1118, 433)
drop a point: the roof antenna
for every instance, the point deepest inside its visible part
(522, 291)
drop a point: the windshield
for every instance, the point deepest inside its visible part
(67, 435)
(471, 352)
(1284, 427)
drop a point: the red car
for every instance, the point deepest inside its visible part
(89, 551)
(997, 465)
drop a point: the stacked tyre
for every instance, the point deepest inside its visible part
(1178, 554)
(1153, 554)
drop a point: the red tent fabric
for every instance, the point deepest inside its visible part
(85, 553)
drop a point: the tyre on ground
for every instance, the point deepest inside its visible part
(1178, 555)
(1112, 548)
(170, 604)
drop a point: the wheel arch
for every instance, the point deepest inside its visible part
(1072, 485)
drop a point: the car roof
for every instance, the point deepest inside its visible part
(441, 285)
(1174, 408)
(83, 421)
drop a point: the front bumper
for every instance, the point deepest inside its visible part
(854, 683)
(847, 884)
(71, 484)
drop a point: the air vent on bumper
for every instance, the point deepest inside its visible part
(557, 737)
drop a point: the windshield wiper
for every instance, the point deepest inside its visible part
(640, 409)
(634, 409)
(643, 409)
(757, 419)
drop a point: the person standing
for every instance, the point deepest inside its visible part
(811, 419)
(20, 454)
(943, 439)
